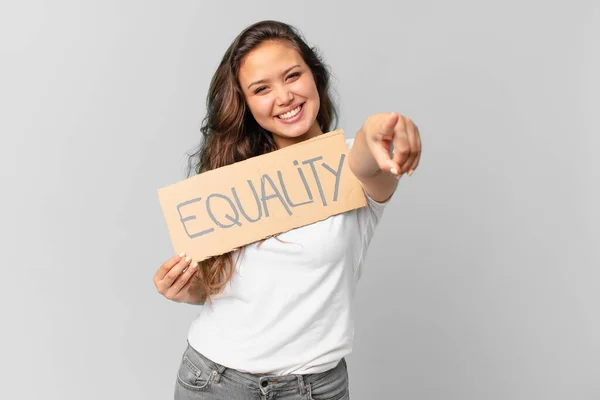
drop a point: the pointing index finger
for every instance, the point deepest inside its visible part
(389, 123)
(401, 142)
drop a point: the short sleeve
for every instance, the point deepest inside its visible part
(368, 219)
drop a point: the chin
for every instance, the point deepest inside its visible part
(293, 132)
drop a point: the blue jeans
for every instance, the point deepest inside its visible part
(201, 378)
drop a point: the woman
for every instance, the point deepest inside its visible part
(277, 320)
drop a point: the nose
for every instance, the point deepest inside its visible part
(284, 97)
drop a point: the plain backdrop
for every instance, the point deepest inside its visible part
(482, 281)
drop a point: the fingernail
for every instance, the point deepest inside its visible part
(410, 172)
(394, 171)
(188, 259)
(182, 254)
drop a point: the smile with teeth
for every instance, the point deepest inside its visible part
(290, 114)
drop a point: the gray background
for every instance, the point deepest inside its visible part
(482, 280)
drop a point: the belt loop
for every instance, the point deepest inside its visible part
(218, 372)
(303, 384)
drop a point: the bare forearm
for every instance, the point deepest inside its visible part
(378, 184)
(360, 160)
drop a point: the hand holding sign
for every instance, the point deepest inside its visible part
(174, 280)
(386, 129)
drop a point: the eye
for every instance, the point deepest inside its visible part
(295, 74)
(260, 89)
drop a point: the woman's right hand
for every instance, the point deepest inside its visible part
(175, 280)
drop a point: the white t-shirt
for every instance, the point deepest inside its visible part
(288, 308)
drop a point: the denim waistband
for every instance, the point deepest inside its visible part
(264, 382)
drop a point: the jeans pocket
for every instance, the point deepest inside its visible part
(332, 385)
(192, 377)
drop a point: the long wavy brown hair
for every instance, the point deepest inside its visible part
(231, 134)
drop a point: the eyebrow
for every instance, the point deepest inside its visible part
(264, 80)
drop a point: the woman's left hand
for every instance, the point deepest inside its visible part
(394, 142)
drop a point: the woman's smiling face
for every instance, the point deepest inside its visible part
(280, 92)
